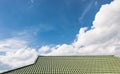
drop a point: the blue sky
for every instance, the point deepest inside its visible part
(29, 28)
(46, 22)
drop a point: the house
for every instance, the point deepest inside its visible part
(71, 65)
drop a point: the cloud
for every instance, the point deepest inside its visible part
(4, 67)
(32, 1)
(12, 44)
(96, 3)
(16, 54)
(86, 10)
(102, 39)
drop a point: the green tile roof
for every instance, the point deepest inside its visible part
(71, 65)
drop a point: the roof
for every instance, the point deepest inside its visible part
(71, 65)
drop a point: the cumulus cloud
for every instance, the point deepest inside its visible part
(16, 54)
(102, 39)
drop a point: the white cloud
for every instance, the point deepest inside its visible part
(32, 1)
(102, 39)
(96, 3)
(12, 44)
(16, 54)
(86, 10)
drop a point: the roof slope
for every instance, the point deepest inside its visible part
(72, 65)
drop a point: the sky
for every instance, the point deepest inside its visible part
(44, 22)
(29, 28)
